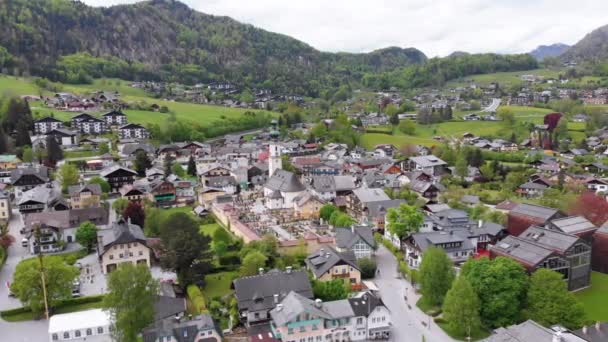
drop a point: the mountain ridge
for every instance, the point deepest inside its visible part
(553, 50)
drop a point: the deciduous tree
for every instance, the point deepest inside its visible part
(461, 308)
(436, 275)
(68, 175)
(105, 186)
(404, 220)
(594, 208)
(86, 235)
(252, 262)
(135, 212)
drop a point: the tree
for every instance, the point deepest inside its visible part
(54, 153)
(28, 154)
(501, 286)
(86, 235)
(461, 308)
(488, 172)
(326, 211)
(404, 220)
(68, 175)
(268, 246)
(27, 282)
(141, 163)
(119, 205)
(330, 290)
(407, 127)
(506, 115)
(462, 168)
(191, 166)
(135, 213)
(436, 275)
(593, 207)
(550, 302)
(105, 186)
(394, 119)
(4, 142)
(252, 262)
(104, 148)
(368, 267)
(132, 293)
(221, 235)
(178, 170)
(184, 249)
(168, 165)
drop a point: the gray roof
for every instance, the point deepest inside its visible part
(544, 213)
(63, 219)
(324, 183)
(533, 186)
(257, 292)
(529, 331)
(295, 304)
(428, 161)
(325, 258)
(376, 209)
(366, 195)
(522, 250)
(364, 304)
(42, 172)
(348, 237)
(122, 232)
(550, 239)
(284, 181)
(183, 331)
(344, 183)
(40, 194)
(110, 169)
(425, 240)
(130, 148)
(167, 306)
(594, 333)
(470, 199)
(94, 188)
(573, 224)
(435, 208)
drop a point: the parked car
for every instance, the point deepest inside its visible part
(25, 242)
(76, 288)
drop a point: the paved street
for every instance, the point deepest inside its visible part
(407, 323)
(492, 107)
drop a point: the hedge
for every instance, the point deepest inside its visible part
(62, 304)
(3, 256)
(196, 297)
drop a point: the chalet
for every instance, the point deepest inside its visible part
(524, 215)
(46, 124)
(115, 118)
(118, 176)
(597, 185)
(162, 193)
(84, 196)
(362, 197)
(40, 198)
(329, 264)
(428, 164)
(531, 189)
(132, 193)
(65, 137)
(88, 124)
(307, 206)
(133, 131)
(123, 242)
(428, 190)
(358, 239)
(185, 191)
(458, 247)
(23, 179)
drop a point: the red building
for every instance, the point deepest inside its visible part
(524, 215)
(599, 252)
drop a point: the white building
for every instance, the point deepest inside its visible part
(90, 325)
(46, 125)
(283, 187)
(133, 131)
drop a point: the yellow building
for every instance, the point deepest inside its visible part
(124, 242)
(328, 264)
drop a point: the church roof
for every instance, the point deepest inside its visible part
(285, 181)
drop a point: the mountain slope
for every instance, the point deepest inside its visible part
(594, 46)
(156, 35)
(553, 50)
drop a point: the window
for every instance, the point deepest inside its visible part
(302, 329)
(55, 337)
(77, 333)
(141, 253)
(100, 330)
(360, 320)
(111, 256)
(289, 331)
(66, 335)
(89, 332)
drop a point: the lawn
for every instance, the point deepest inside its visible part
(80, 154)
(218, 284)
(16, 86)
(475, 335)
(503, 78)
(209, 229)
(70, 305)
(595, 298)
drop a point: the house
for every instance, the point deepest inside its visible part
(115, 118)
(597, 185)
(363, 317)
(39, 199)
(8, 162)
(162, 193)
(429, 164)
(524, 215)
(123, 242)
(88, 124)
(84, 196)
(133, 131)
(362, 197)
(118, 176)
(532, 331)
(358, 239)
(5, 207)
(375, 213)
(58, 226)
(531, 189)
(456, 245)
(307, 206)
(574, 225)
(595, 333)
(181, 329)
(429, 190)
(24, 179)
(328, 264)
(81, 326)
(65, 137)
(257, 295)
(132, 192)
(46, 124)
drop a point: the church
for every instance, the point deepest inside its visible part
(283, 187)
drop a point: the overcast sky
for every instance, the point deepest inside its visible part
(437, 27)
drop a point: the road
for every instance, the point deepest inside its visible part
(492, 107)
(407, 323)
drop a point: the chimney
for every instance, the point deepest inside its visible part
(585, 329)
(288, 269)
(318, 303)
(279, 307)
(480, 223)
(276, 298)
(177, 318)
(352, 229)
(261, 270)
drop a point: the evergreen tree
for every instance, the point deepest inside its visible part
(191, 166)
(447, 113)
(141, 163)
(461, 308)
(168, 165)
(461, 168)
(54, 153)
(394, 119)
(22, 134)
(3, 142)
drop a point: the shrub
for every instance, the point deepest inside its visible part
(368, 268)
(196, 297)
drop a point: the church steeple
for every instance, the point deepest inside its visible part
(274, 160)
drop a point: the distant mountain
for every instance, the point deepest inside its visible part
(553, 50)
(458, 54)
(594, 46)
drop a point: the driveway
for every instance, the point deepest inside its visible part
(407, 323)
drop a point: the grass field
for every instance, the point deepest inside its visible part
(218, 284)
(503, 78)
(595, 298)
(209, 229)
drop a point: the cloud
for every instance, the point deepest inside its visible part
(436, 27)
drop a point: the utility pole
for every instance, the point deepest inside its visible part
(42, 277)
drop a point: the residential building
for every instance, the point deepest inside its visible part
(200, 328)
(46, 124)
(118, 176)
(307, 206)
(358, 239)
(428, 164)
(89, 325)
(65, 137)
(24, 179)
(524, 215)
(38, 199)
(133, 131)
(257, 295)
(84, 196)
(123, 242)
(599, 250)
(5, 207)
(88, 124)
(361, 198)
(162, 193)
(532, 331)
(575, 225)
(132, 192)
(455, 243)
(115, 118)
(328, 264)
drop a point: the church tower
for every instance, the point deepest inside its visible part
(274, 160)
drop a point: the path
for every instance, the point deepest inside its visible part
(407, 323)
